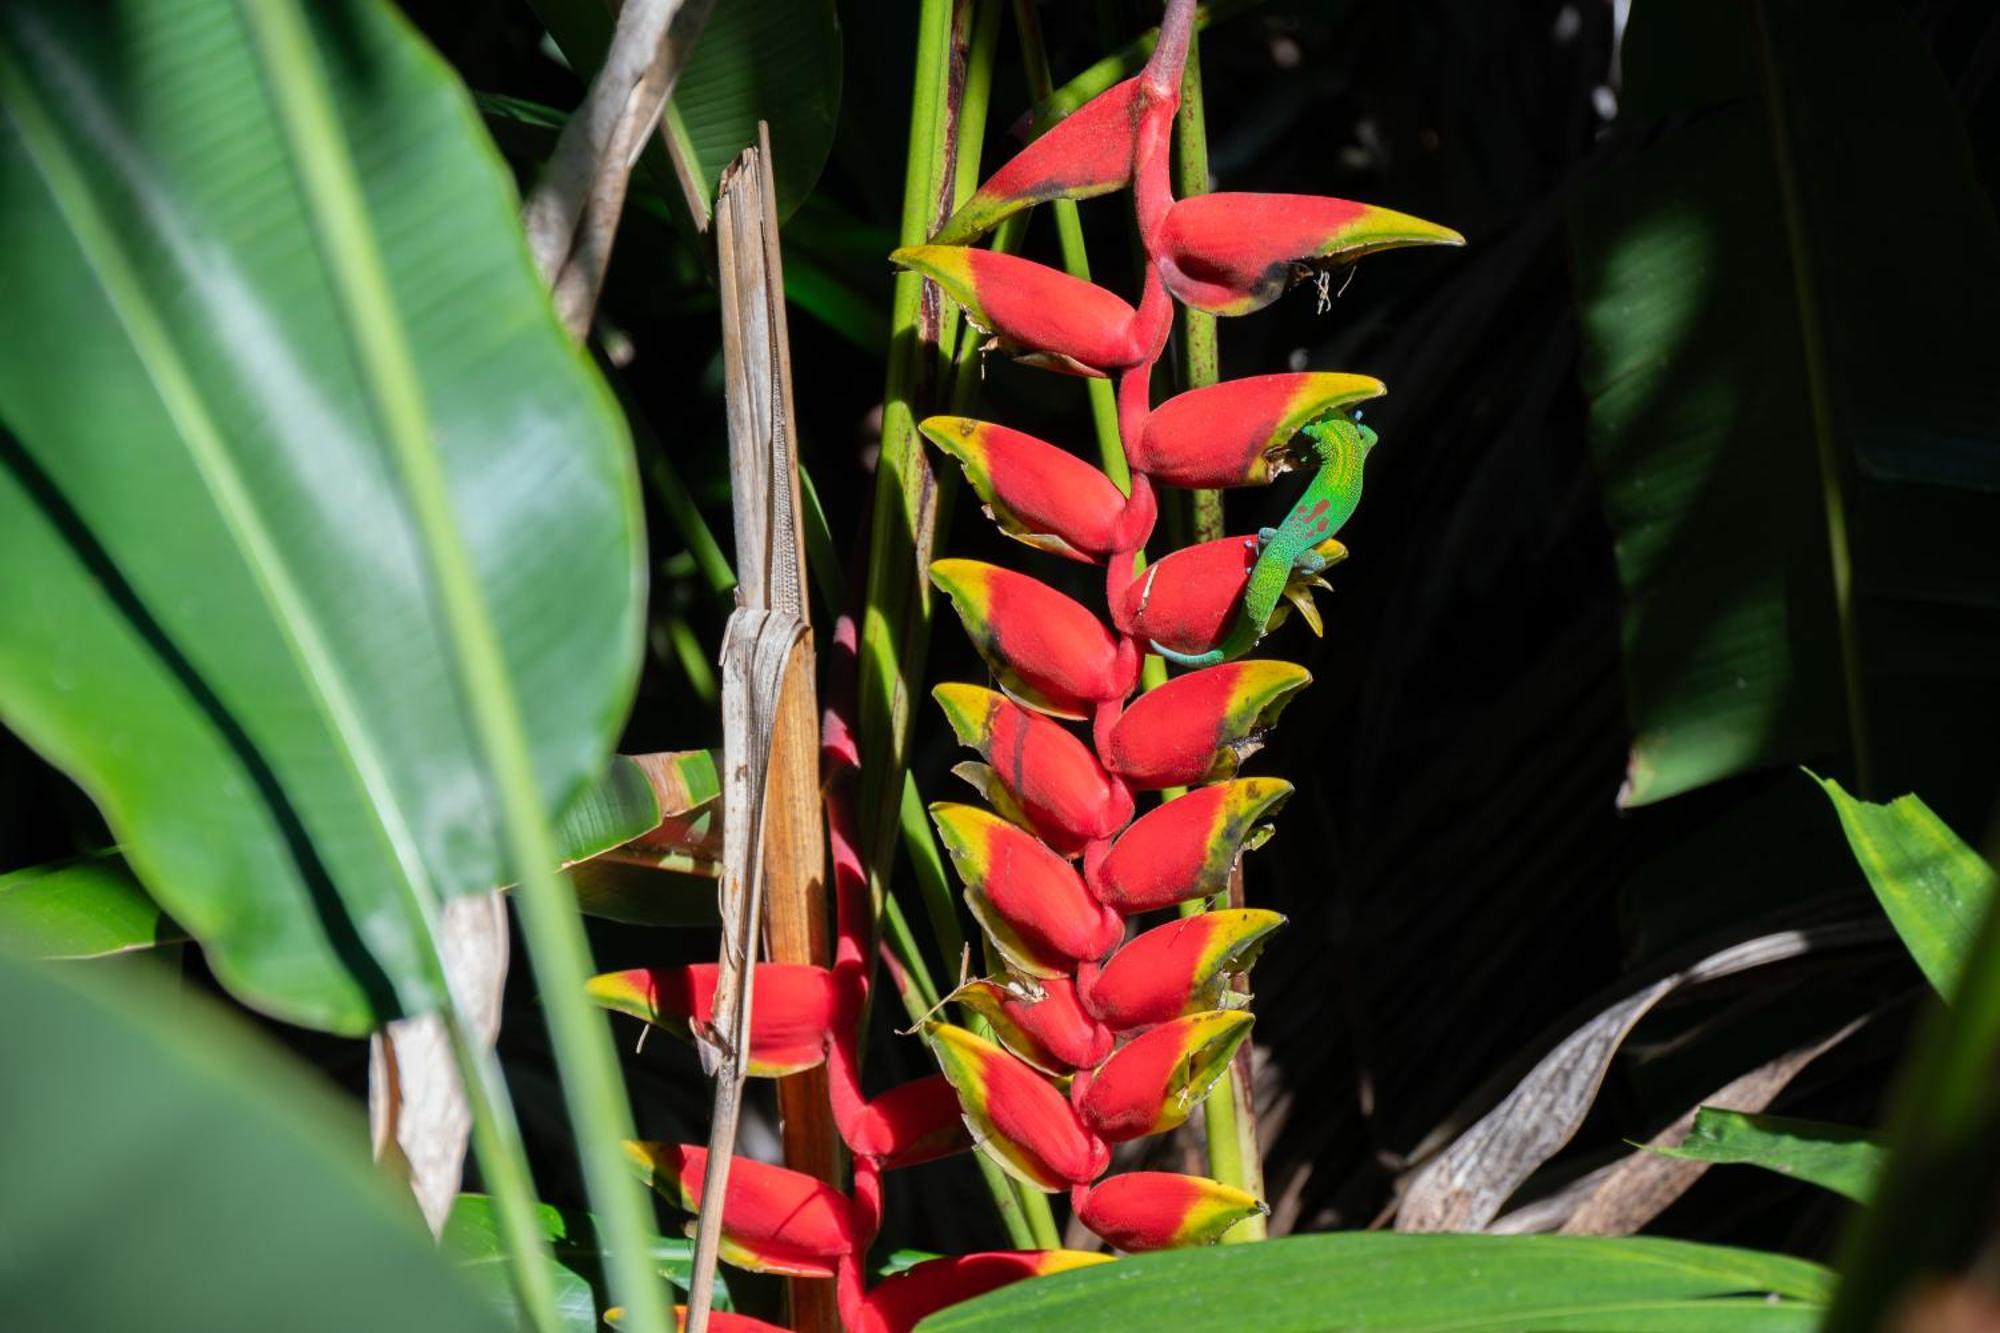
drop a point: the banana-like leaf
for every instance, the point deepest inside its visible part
(94, 905)
(1792, 422)
(771, 60)
(166, 1167)
(1836, 1157)
(1935, 889)
(217, 616)
(1376, 1280)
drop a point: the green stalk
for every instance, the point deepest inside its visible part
(1125, 62)
(1069, 239)
(594, 1091)
(895, 622)
(897, 604)
(1229, 1116)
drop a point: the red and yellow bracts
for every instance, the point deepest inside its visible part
(1089, 1034)
(1094, 1039)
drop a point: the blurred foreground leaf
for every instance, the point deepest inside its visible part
(166, 1168)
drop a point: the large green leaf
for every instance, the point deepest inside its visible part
(1791, 403)
(771, 60)
(472, 1236)
(1376, 1280)
(217, 615)
(168, 1169)
(1835, 1157)
(1935, 889)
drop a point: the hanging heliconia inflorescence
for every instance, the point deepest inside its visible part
(1100, 1039)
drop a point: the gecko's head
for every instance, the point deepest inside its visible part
(1339, 432)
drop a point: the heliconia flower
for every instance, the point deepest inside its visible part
(1199, 727)
(1017, 1116)
(1151, 1084)
(1045, 1026)
(1045, 649)
(1189, 600)
(1182, 967)
(912, 1123)
(1230, 254)
(1088, 153)
(902, 1300)
(719, 1321)
(1185, 848)
(1162, 1210)
(774, 1220)
(1043, 495)
(1051, 776)
(792, 1008)
(1030, 901)
(1236, 433)
(1048, 317)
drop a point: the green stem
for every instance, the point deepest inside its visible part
(594, 1091)
(673, 495)
(1229, 1115)
(1124, 63)
(1076, 262)
(932, 885)
(897, 601)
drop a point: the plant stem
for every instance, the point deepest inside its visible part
(1229, 1113)
(1076, 262)
(594, 1091)
(897, 604)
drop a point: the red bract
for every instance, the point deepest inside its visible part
(902, 1301)
(1185, 848)
(1043, 1023)
(1016, 1115)
(909, 1125)
(1044, 496)
(1201, 726)
(1239, 432)
(1088, 153)
(1043, 315)
(1050, 776)
(1179, 968)
(1157, 1210)
(773, 1220)
(1230, 254)
(1151, 1084)
(1188, 601)
(1045, 649)
(791, 1012)
(1031, 902)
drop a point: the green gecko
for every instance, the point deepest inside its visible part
(1341, 444)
